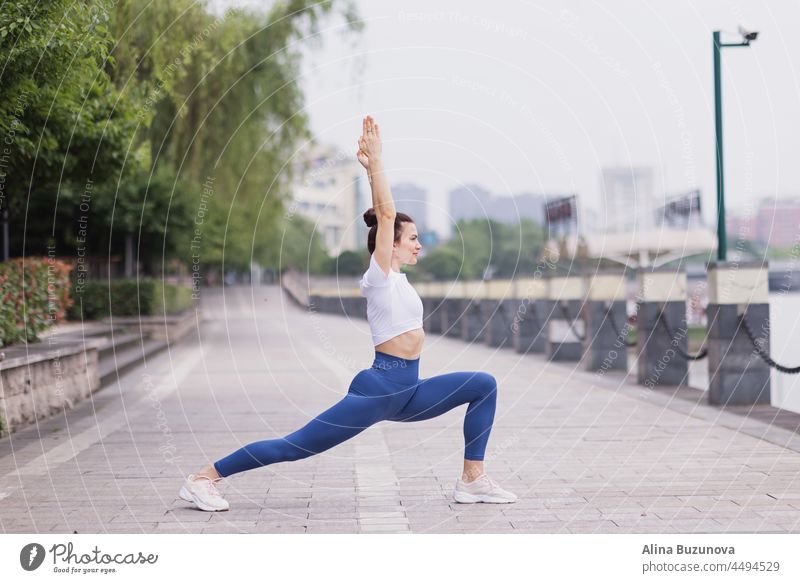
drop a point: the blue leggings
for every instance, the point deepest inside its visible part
(390, 390)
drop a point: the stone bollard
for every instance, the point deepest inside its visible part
(565, 326)
(431, 320)
(606, 316)
(333, 304)
(324, 303)
(450, 309)
(529, 316)
(498, 309)
(737, 374)
(354, 306)
(341, 304)
(658, 358)
(432, 297)
(473, 325)
(336, 305)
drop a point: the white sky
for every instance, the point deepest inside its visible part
(538, 97)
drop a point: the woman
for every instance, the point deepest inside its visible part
(391, 389)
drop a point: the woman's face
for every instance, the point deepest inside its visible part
(407, 248)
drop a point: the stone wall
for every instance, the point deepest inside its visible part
(44, 382)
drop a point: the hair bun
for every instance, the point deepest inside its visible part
(370, 217)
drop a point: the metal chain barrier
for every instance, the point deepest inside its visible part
(571, 323)
(699, 356)
(760, 349)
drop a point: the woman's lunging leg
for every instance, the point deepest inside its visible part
(346, 419)
(437, 395)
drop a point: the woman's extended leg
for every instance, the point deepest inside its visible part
(437, 395)
(346, 419)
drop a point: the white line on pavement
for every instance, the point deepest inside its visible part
(373, 464)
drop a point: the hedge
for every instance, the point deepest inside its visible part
(35, 294)
(128, 297)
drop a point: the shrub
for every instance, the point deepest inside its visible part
(170, 299)
(349, 263)
(35, 294)
(99, 299)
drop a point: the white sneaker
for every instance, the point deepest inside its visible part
(482, 489)
(203, 493)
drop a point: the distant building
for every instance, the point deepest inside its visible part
(628, 200)
(474, 202)
(412, 200)
(774, 222)
(327, 191)
(741, 226)
(778, 222)
(588, 220)
(510, 209)
(467, 203)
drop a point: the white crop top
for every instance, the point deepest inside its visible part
(393, 305)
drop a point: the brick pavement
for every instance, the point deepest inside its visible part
(585, 452)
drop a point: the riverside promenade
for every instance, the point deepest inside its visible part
(585, 452)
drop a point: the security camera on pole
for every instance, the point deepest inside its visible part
(747, 36)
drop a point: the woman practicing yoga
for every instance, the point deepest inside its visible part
(391, 389)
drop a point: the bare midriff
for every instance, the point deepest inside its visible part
(407, 345)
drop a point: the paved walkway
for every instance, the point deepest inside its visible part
(585, 452)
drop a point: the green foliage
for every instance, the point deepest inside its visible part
(34, 293)
(696, 335)
(444, 263)
(481, 247)
(294, 242)
(349, 263)
(158, 209)
(147, 100)
(170, 299)
(128, 297)
(221, 101)
(759, 253)
(60, 117)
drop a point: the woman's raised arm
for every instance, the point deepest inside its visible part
(370, 145)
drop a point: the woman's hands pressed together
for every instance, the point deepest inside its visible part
(369, 155)
(369, 144)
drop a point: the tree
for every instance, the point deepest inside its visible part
(150, 216)
(482, 247)
(349, 263)
(122, 118)
(443, 263)
(295, 244)
(221, 103)
(62, 123)
(517, 248)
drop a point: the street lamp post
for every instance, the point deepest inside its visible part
(748, 36)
